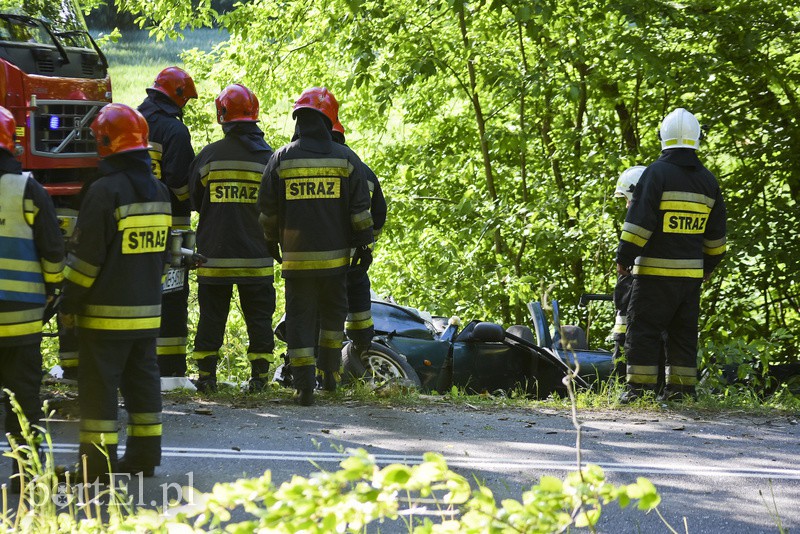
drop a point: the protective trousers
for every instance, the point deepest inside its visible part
(258, 306)
(359, 326)
(68, 351)
(663, 313)
(171, 343)
(622, 296)
(306, 299)
(21, 373)
(128, 365)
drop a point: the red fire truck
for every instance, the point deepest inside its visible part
(54, 79)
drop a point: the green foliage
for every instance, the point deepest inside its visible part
(360, 494)
(499, 128)
(36, 511)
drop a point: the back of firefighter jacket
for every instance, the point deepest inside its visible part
(171, 152)
(224, 180)
(118, 251)
(31, 254)
(316, 202)
(676, 225)
(377, 202)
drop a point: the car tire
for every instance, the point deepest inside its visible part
(379, 364)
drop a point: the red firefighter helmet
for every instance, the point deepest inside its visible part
(8, 127)
(337, 127)
(119, 128)
(236, 103)
(176, 84)
(321, 100)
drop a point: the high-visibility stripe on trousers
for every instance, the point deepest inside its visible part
(107, 365)
(173, 332)
(307, 300)
(359, 326)
(663, 315)
(258, 305)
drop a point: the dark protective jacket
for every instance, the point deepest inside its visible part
(223, 180)
(377, 206)
(676, 225)
(31, 254)
(118, 251)
(171, 152)
(315, 201)
(377, 202)
(622, 297)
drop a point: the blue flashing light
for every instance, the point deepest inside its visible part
(55, 122)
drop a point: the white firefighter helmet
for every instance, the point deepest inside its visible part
(680, 129)
(627, 182)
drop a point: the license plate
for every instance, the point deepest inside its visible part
(174, 281)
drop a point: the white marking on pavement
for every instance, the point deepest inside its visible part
(473, 462)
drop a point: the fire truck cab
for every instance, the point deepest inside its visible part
(54, 80)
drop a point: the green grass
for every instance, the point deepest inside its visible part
(135, 60)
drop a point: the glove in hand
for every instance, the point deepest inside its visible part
(362, 258)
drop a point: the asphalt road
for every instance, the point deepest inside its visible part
(716, 473)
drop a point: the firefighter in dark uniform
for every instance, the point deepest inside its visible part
(672, 239)
(622, 291)
(31, 263)
(223, 181)
(112, 294)
(314, 203)
(359, 326)
(171, 152)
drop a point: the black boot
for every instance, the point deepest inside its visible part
(304, 380)
(207, 369)
(677, 393)
(259, 377)
(635, 392)
(328, 380)
(124, 466)
(304, 397)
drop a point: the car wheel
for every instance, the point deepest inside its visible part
(379, 364)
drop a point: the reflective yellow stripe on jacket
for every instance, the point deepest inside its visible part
(684, 201)
(117, 318)
(314, 178)
(21, 323)
(53, 272)
(635, 234)
(144, 226)
(328, 259)
(236, 267)
(21, 276)
(715, 247)
(232, 181)
(668, 267)
(80, 272)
